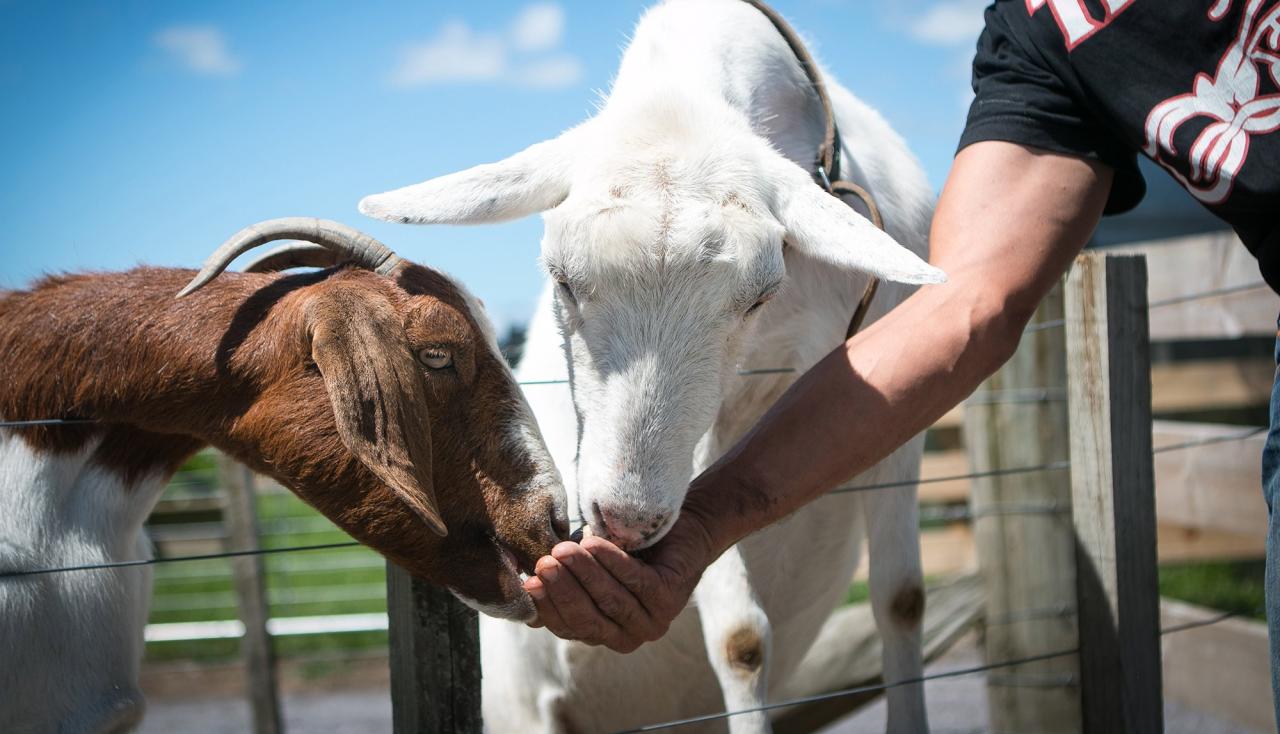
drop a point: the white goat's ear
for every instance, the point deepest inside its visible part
(531, 181)
(821, 225)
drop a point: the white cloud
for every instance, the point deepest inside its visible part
(950, 23)
(522, 55)
(552, 73)
(538, 27)
(456, 54)
(202, 49)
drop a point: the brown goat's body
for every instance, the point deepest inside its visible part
(317, 380)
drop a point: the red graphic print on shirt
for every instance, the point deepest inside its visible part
(1232, 102)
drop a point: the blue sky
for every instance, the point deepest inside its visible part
(148, 131)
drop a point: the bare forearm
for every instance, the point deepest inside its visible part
(855, 407)
(1007, 226)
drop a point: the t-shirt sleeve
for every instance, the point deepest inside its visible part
(1019, 100)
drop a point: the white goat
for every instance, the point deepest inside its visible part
(666, 217)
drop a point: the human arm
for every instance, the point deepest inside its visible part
(1009, 221)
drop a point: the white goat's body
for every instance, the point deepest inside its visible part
(781, 584)
(71, 642)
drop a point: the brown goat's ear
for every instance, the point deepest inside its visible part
(377, 392)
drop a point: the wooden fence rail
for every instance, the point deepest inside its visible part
(1025, 539)
(251, 598)
(1113, 494)
(435, 658)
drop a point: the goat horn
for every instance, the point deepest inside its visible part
(360, 248)
(295, 255)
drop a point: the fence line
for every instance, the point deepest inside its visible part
(1229, 290)
(176, 559)
(848, 692)
(1054, 466)
(951, 514)
(46, 422)
(959, 672)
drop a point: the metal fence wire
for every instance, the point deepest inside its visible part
(1054, 466)
(945, 515)
(880, 687)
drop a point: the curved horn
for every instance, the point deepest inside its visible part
(295, 255)
(360, 248)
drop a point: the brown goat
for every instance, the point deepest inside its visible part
(379, 399)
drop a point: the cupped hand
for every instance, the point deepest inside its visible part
(596, 593)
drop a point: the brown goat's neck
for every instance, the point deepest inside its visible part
(162, 376)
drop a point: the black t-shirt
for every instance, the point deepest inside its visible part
(1195, 86)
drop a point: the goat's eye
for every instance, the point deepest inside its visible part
(760, 302)
(566, 292)
(435, 358)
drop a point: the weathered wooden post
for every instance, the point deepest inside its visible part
(435, 658)
(1023, 531)
(251, 597)
(1113, 494)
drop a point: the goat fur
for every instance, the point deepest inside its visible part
(666, 217)
(311, 379)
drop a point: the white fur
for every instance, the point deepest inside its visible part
(71, 642)
(670, 210)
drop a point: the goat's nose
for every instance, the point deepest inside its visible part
(559, 523)
(629, 530)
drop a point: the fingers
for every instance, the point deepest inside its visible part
(547, 614)
(596, 593)
(637, 577)
(612, 598)
(576, 616)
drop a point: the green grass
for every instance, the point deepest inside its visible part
(1231, 586)
(324, 582)
(858, 593)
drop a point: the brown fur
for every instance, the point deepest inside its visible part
(745, 650)
(908, 606)
(311, 379)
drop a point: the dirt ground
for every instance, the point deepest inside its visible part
(956, 705)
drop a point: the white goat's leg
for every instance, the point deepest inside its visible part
(897, 600)
(738, 638)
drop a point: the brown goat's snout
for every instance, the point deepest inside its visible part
(559, 519)
(542, 524)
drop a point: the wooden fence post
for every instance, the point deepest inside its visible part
(1023, 532)
(241, 520)
(1113, 494)
(435, 658)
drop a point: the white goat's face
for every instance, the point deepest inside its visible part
(664, 234)
(656, 287)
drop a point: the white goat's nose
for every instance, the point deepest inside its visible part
(629, 529)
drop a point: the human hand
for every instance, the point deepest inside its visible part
(595, 593)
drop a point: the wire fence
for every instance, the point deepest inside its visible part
(944, 514)
(1164, 302)
(1034, 395)
(1054, 466)
(881, 687)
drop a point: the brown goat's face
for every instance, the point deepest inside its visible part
(444, 470)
